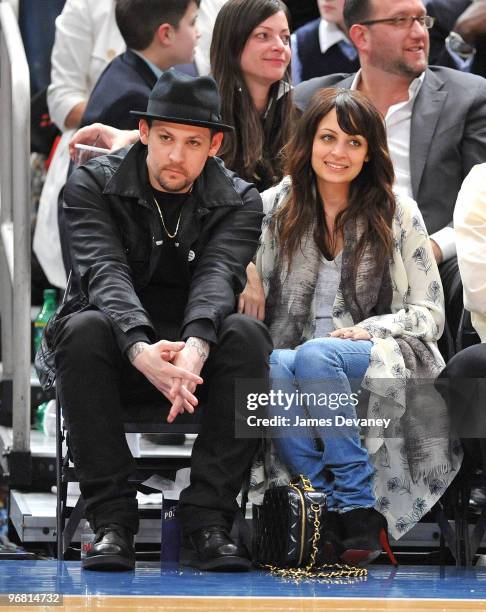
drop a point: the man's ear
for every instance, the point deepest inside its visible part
(216, 142)
(358, 35)
(164, 34)
(143, 128)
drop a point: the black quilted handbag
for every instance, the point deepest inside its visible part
(286, 526)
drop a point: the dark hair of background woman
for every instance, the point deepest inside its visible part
(371, 198)
(253, 143)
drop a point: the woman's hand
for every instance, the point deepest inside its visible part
(103, 136)
(252, 301)
(351, 333)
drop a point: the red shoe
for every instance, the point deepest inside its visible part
(365, 536)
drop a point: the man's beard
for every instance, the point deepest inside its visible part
(401, 68)
(398, 66)
(180, 187)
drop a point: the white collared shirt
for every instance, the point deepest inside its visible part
(398, 122)
(329, 35)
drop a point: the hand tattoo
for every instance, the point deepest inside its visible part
(135, 350)
(201, 346)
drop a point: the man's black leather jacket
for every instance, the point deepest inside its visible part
(115, 235)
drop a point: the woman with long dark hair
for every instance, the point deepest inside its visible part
(354, 302)
(250, 61)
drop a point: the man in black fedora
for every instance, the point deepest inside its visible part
(160, 237)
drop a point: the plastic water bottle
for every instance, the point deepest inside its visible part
(87, 537)
(39, 416)
(48, 309)
(45, 418)
(49, 420)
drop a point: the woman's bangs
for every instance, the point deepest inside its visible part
(350, 115)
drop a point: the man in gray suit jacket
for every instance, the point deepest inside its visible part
(435, 117)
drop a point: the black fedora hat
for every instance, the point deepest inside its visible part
(180, 98)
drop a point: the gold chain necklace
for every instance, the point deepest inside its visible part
(171, 236)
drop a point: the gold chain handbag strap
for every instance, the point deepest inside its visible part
(334, 572)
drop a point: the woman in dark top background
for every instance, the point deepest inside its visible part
(250, 60)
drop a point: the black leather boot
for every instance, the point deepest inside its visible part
(113, 550)
(211, 548)
(365, 535)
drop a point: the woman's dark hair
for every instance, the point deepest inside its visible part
(253, 144)
(371, 198)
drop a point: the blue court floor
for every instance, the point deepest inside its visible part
(149, 579)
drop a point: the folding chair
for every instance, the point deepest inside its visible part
(67, 525)
(464, 539)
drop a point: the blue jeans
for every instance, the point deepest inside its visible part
(326, 365)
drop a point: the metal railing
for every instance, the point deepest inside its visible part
(15, 221)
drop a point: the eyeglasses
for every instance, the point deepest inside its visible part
(426, 21)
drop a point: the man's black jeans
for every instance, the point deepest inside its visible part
(95, 381)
